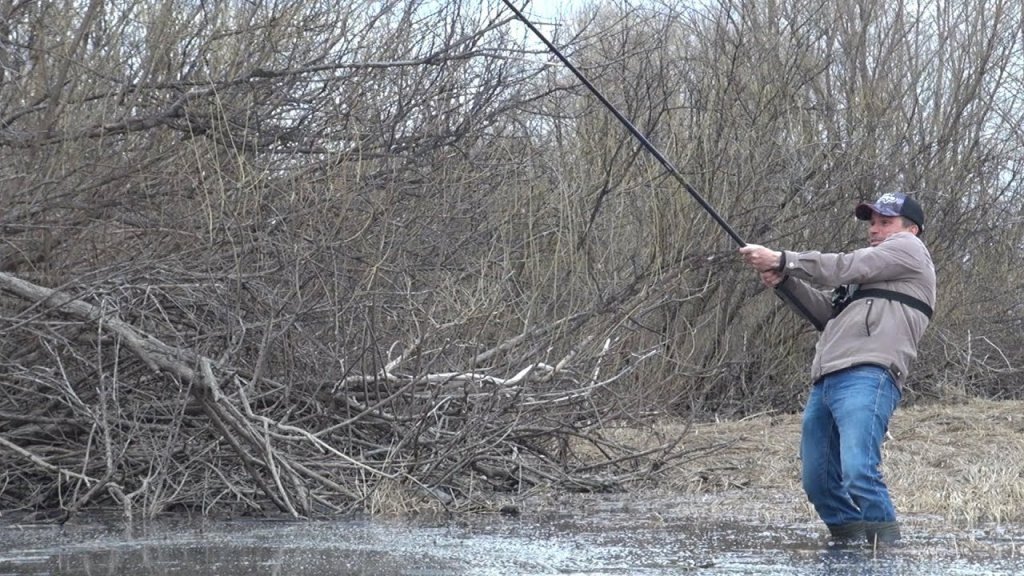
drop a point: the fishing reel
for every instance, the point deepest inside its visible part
(842, 296)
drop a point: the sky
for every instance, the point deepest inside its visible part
(550, 8)
(543, 13)
(547, 9)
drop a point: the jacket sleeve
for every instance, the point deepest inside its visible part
(812, 304)
(898, 257)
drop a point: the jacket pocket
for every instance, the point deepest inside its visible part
(870, 305)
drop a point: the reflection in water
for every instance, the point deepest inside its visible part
(606, 542)
(861, 563)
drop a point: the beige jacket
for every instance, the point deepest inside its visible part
(871, 330)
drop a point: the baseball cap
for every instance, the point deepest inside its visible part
(892, 204)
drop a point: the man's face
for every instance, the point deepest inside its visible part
(884, 226)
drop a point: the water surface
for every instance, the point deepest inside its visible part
(611, 539)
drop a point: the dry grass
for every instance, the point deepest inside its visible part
(958, 464)
(962, 462)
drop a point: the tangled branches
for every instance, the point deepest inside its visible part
(96, 412)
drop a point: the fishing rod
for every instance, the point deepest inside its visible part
(629, 126)
(781, 289)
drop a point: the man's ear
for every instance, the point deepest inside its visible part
(911, 226)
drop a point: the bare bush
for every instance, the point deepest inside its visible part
(786, 115)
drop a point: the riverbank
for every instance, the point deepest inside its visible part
(957, 464)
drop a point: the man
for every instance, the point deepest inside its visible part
(870, 325)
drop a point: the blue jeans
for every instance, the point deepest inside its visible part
(844, 424)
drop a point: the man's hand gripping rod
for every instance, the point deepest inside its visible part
(780, 289)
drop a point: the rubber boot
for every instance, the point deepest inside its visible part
(882, 533)
(850, 534)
